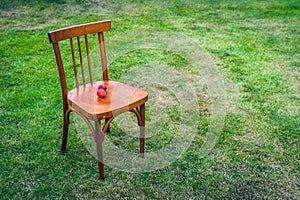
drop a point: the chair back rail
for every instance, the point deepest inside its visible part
(79, 30)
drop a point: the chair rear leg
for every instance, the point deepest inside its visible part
(99, 140)
(66, 115)
(142, 131)
(65, 130)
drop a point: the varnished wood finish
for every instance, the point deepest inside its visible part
(119, 98)
(79, 30)
(83, 99)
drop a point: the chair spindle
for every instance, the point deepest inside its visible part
(103, 56)
(88, 58)
(81, 62)
(74, 63)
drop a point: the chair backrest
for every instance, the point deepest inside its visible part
(75, 32)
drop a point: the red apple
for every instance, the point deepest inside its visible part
(101, 93)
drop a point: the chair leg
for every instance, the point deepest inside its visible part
(142, 131)
(99, 140)
(108, 129)
(64, 137)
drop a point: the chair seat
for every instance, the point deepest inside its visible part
(119, 98)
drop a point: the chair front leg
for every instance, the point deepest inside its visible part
(142, 130)
(99, 137)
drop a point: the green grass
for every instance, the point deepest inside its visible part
(256, 47)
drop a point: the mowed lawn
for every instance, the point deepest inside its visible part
(255, 48)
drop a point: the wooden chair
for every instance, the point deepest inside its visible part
(83, 99)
